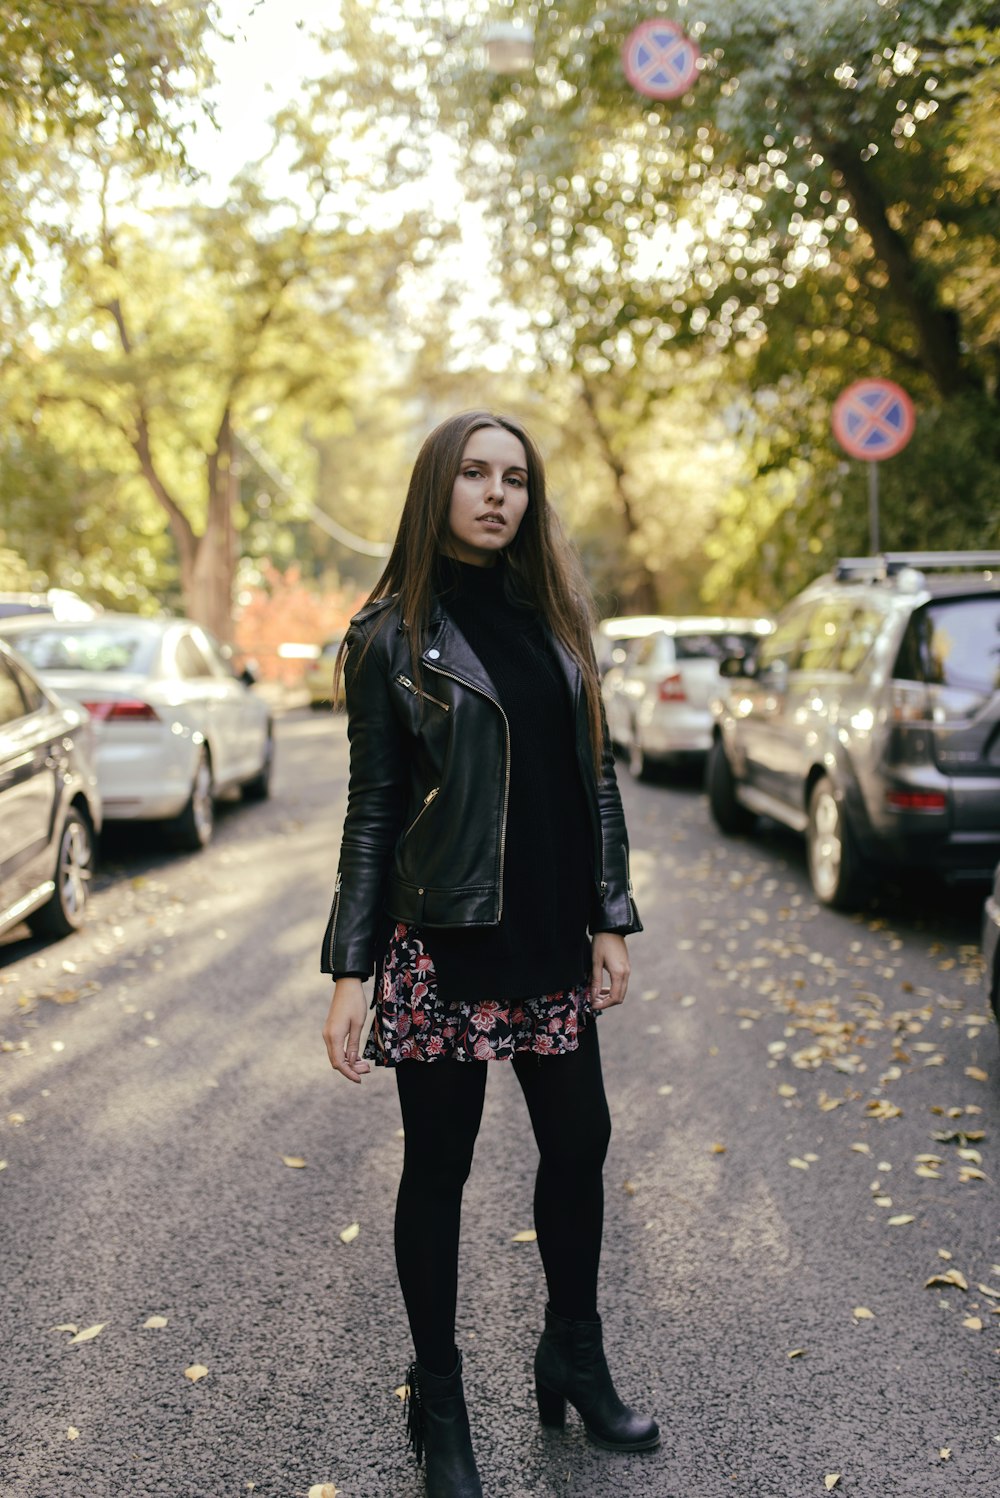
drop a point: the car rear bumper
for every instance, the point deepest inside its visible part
(684, 731)
(146, 777)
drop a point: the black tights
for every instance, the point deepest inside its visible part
(442, 1105)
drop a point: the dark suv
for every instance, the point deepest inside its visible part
(870, 721)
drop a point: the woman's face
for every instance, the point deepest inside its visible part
(489, 496)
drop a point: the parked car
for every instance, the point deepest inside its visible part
(174, 726)
(50, 807)
(991, 943)
(658, 697)
(319, 676)
(870, 721)
(614, 637)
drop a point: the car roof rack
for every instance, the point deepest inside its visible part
(891, 563)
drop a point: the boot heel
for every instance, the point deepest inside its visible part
(551, 1406)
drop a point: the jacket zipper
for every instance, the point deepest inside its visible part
(506, 778)
(333, 916)
(427, 801)
(404, 681)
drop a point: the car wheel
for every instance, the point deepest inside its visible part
(64, 912)
(640, 766)
(720, 783)
(259, 788)
(834, 867)
(193, 828)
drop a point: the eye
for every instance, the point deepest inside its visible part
(516, 480)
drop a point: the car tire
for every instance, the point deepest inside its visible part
(64, 912)
(259, 788)
(640, 766)
(834, 866)
(729, 815)
(192, 829)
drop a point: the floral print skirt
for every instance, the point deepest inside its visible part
(412, 1024)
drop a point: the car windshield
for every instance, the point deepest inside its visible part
(104, 647)
(713, 645)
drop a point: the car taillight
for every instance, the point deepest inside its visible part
(910, 702)
(125, 710)
(672, 689)
(917, 800)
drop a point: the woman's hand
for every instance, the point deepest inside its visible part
(608, 955)
(342, 1031)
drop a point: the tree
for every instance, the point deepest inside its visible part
(822, 203)
(178, 326)
(76, 70)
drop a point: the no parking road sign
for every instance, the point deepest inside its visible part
(873, 419)
(660, 60)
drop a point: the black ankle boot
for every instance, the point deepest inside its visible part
(570, 1364)
(438, 1429)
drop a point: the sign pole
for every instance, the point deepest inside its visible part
(873, 507)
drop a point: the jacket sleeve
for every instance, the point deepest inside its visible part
(615, 908)
(376, 807)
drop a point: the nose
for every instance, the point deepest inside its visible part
(495, 492)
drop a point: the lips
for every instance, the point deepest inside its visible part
(493, 522)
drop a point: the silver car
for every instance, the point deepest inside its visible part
(174, 726)
(50, 809)
(991, 944)
(870, 721)
(658, 694)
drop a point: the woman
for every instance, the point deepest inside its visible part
(484, 877)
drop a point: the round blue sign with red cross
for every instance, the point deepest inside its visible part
(873, 419)
(660, 60)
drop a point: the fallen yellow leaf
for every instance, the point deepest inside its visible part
(155, 1322)
(898, 1222)
(65, 1326)
(862, 1313)
(944, 1453)
(323, 1490)
(295, 1162)
(350, 1233)
(196, 1371)
(862, 1149)
(528, 1235)
(89, 1333)
(949, 1277)
(72, 1433)
(831, 1480)
(799, 1164)
(797, 1352)
(787, 1090)
(665, 1091)
(402, 1391)
(988, 1290)
(717, 1149)
(974, 1323)
(629, 1188)
(977, 1074)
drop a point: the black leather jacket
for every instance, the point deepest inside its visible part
(426, 816)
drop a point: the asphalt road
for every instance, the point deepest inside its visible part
(779, 1190)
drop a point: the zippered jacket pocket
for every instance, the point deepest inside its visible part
(404, 681)
(427, 801)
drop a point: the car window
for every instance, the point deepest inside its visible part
(713, 645)
(859, 635)
(954, 643)
(106, 647)
(191, 664)
(11, 702)
(32, 693)
(785, 644)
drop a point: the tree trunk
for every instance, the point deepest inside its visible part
(640, 589)
(208, 582)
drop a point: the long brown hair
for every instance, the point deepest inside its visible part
(541, 568)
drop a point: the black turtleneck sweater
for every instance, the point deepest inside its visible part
(540, 945)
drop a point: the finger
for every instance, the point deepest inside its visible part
(354, 1065)
(619, 986)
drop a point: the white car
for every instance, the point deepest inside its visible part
(658, 697)
(174, 726)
